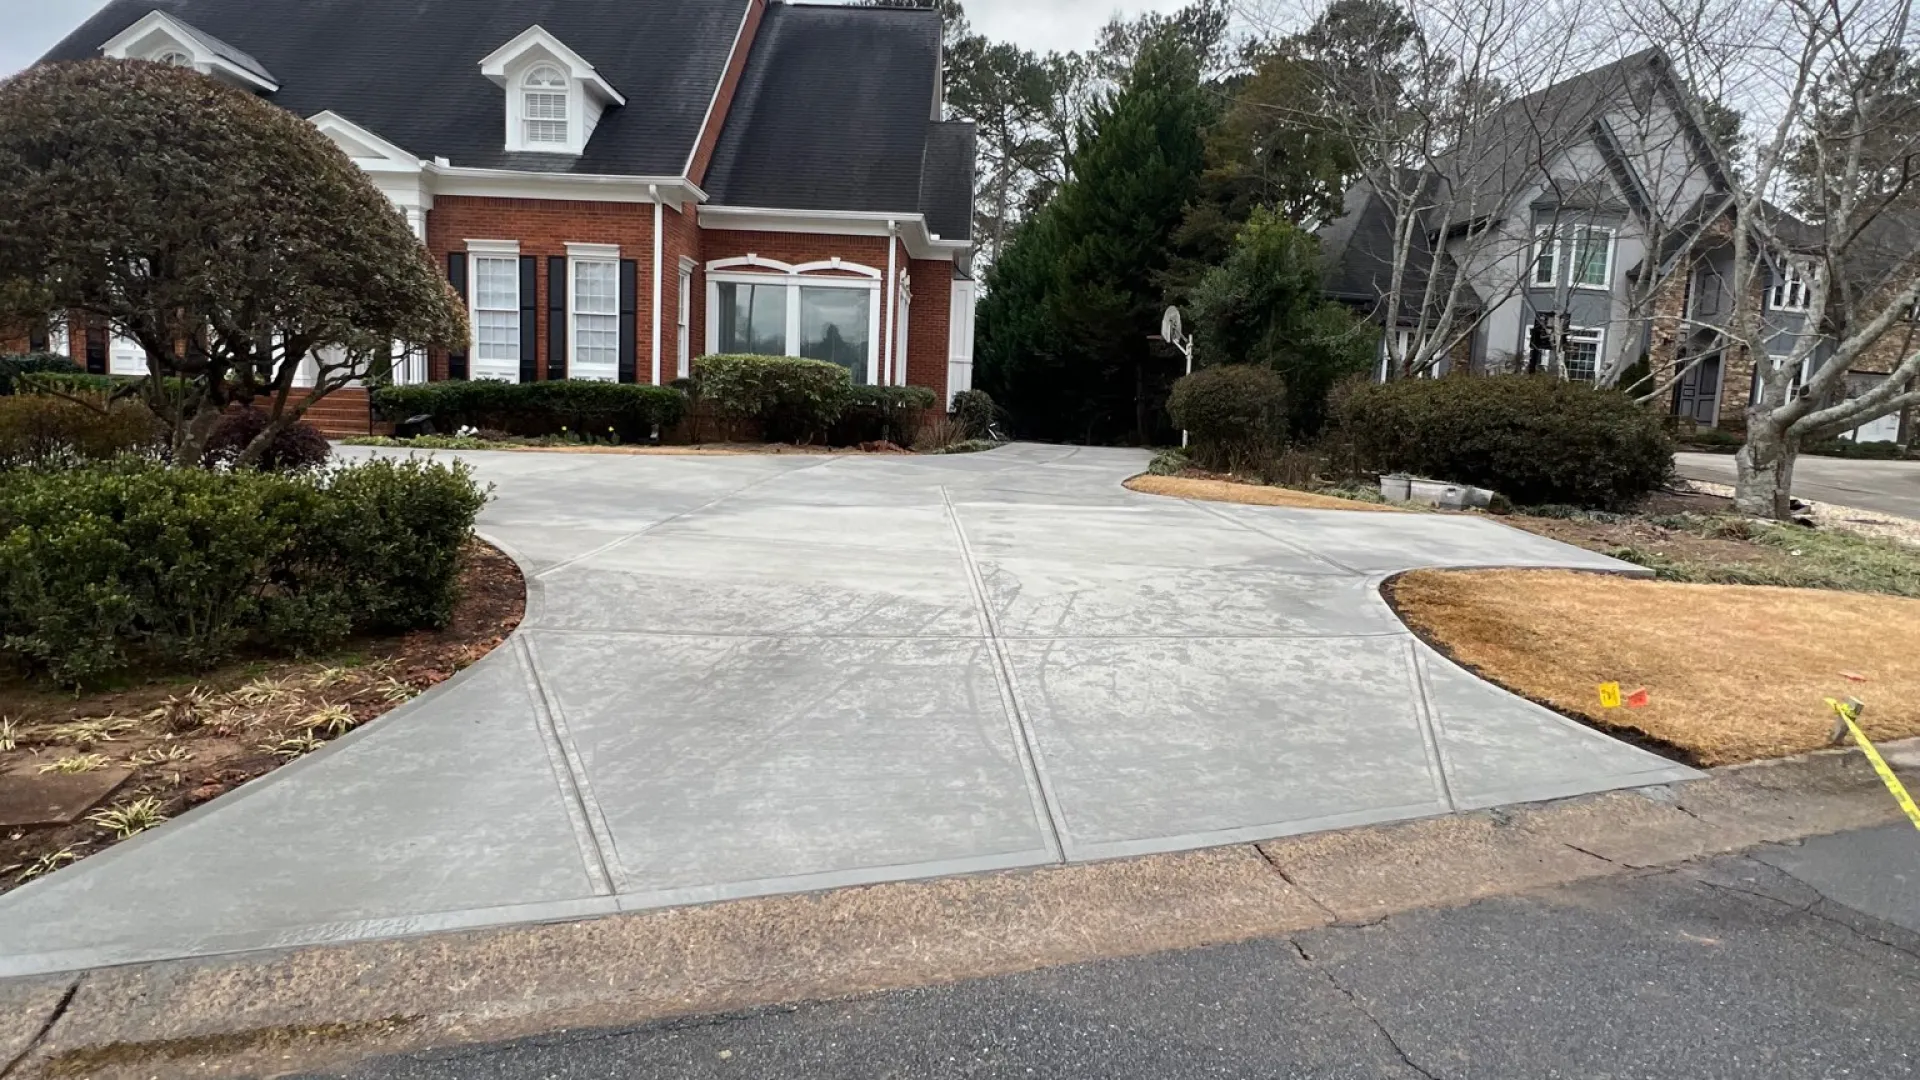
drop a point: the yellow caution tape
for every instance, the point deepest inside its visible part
(1845, 712)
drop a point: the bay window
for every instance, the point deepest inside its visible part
(827, 310)
(833, 327)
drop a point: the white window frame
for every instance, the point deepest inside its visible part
(1789, 291)
(1598, 335)
(563, 91)
(125, 356)
(1553, 250)
(683, 322)
(756, 270)
(578, 254)
(507, 250)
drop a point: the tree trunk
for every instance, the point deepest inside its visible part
(1764, 485)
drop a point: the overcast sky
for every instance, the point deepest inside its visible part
(32, 26)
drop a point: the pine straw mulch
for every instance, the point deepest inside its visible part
(1733, 672)
(183, 742)
(1210, 489)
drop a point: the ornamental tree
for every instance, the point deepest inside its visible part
(226, 236)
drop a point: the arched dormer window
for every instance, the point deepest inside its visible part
(543, 106)
(176, 58)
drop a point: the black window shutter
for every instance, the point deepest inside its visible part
(97, 350)
(38, 339)
(556, 316)
(629, 303)
(529, 322)
(457, 276)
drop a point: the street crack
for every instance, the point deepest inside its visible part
(40, 1036)
(1354, 1000)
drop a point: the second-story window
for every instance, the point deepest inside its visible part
(1579, 255)
(1790, 288)
(543, 105)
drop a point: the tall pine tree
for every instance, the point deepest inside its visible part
(1064, 328)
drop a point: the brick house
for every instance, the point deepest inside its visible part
(618, 186)
(1588, 230)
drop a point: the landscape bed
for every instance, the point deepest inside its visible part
(141, 752)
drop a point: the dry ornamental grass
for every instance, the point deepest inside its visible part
(1188, 487)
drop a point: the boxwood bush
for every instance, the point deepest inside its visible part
(1534, 439)
(300, 445)
(622, 411)
(874, 413)
(793, 399)
(1235, 415)
(131, 564)
(11, 367)
(41, 428)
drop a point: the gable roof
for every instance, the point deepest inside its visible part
(410, 71)
(835, 112)
(224, 51)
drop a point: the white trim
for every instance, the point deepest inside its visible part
(1782, 281)
(1559, 237)
(493, 249)
(186, 40)
(654, 345)
(576, 187)
(713, 102)
(912, 228)
(388, 157)
(892, 301)
(495, 64)
(684, 319)
(1599, 335)
(762, 262)
(590, 253)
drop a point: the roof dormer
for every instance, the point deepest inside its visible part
(554, 98)
(161, 37)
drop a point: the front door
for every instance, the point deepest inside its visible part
(1697, 396)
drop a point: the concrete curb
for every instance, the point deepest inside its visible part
(305, 1007)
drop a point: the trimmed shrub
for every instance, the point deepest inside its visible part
(297, 446)
(794, 399)
(11, 367)
(976, 413)
(40, 428)
(623, 412)
(893, 413)
(126, 564)
(1234, 415)
(1534, 439)
(1847, 448)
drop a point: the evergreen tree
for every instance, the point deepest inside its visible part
(1070, 305)
(1263, 305)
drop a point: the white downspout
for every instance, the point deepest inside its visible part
(653, 191)
(892, 300)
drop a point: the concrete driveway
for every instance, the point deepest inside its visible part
(748, 675)
(1890, 487)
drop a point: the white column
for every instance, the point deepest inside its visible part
(890, 296)
(654, 191)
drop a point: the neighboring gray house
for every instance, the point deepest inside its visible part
(1586, 225)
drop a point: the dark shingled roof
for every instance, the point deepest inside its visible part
(835, 112)
(242, 60)
(409, 70)
(1356, 261)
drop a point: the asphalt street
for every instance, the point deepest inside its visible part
(1890, 487)
(1790, 962)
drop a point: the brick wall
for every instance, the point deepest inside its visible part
(545, 227)
(929, 314)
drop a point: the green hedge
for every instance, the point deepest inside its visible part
(793, 399)
(1235, 415)
(41, 428)
(12, 367)
(875, 413)
(1866, 451)
(131, 564)
(623, 411)
(975, 412)
(1534, 439)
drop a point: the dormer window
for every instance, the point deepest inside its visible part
(553, 96)
(544, 106)
(161, 38)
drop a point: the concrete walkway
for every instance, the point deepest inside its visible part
(749, 675)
